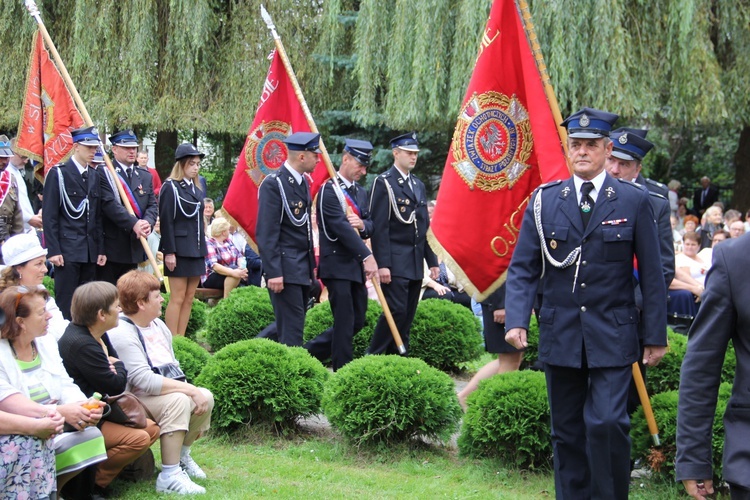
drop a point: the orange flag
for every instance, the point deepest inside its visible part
(49, 113)
(279, 114)
(505, 144)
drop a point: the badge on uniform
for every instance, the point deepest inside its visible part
(406, 202)
(400, 180)
(553, 244)
(585, 207)
(291, 179)
(296, 211)
(610, 192)
(140, 189)
(584, 121)
(403, 209)
(565, 191)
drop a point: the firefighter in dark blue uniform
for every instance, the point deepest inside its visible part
(284, 235)
(398, 207)
(72, 218)
(345, 261)
(582, 234)
(122, 247)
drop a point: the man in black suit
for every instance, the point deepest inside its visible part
(284, 235)
(723, 316)
(122, 247)
(72, 218)
(398, 207)
(705, 196)
(345, 261)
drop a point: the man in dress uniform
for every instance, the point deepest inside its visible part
(582, 235)
(122, 247)
(398, 207)
(11, 214)
(284, 235)
(722, 317)
(72, 218)
(345, 261)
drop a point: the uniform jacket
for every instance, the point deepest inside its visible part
(398, 246)
(285, 249)
(495, 300)
(181, 235)
(723, 316)
(600, 311)
(10, 210)
(120, 242)
(77, 240)
(342, 258)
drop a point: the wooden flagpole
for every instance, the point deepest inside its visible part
(327, 161)
(34, 11)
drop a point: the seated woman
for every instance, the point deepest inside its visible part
(444, 287)
(707, 254)
(690, 273)
(91, 361)
(690, 224)
(30, 363)
(26, 266)
(225, 263)
(27, 461)
(182, 410)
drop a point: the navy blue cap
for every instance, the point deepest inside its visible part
(125, 138)
(86, 136)
(407, 142)
(361, 150)
(186, 149)
(98, 157)
(589, 123)
(303, 141)
(5, 150)
(630, 144)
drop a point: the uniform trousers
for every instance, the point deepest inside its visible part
(289, 308)
(124, 445)
(348, 304)
(111, 271)
(590, 431)
(402, 296)
(67, 279)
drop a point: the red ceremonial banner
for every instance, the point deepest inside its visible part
(49, 113)
(505, 144)
(279, 114)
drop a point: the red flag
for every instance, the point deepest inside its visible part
(505, 144)
(49, 113)
(279, 114)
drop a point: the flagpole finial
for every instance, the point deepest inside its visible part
(269, 22)
(31, 7)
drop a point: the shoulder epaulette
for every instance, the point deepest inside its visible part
(550, 184)
(631, 183)
(385, 174)
(656, 183)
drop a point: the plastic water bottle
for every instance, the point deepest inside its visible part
(242, 262)
(93, 402)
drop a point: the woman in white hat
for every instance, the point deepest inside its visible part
(26, 265)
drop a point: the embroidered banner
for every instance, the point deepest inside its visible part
(505, 144)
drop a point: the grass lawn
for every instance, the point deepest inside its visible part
(318, 464)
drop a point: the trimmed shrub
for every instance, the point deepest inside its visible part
(666, 375)
(661, 459)
(49, 284)
(261, 381)
(531, 354)
(445, 334)
(390, 399)
(241, 316)
(192, 357)
(198, 314)
(320, 318)
(508, 418)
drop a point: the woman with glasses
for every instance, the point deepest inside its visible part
(183, 241)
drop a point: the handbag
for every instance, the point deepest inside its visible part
(126, 409)
(170, 370)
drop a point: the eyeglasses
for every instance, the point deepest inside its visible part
(22, 290)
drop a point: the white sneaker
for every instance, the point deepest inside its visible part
(193, 470)
(178, 483)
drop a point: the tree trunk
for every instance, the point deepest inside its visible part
(741, 198)
(166, 143)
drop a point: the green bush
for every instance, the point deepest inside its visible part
(445, 334)
(192, 357)
(390, 399)
(531, 354)
(49, 284)
(320, 318)
(666, 375)
(240, 316)
(508, 418)
(198, 314)
(261, 381)
(661, 459)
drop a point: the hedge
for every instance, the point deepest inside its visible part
(191, 355)
(320, 318)
(241, 316)
(198, 314)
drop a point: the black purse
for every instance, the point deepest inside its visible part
(170, 370)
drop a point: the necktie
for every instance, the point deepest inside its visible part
(129, 173)
(85, 176)
(352, 190)
(587, 202)
(408, 184)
